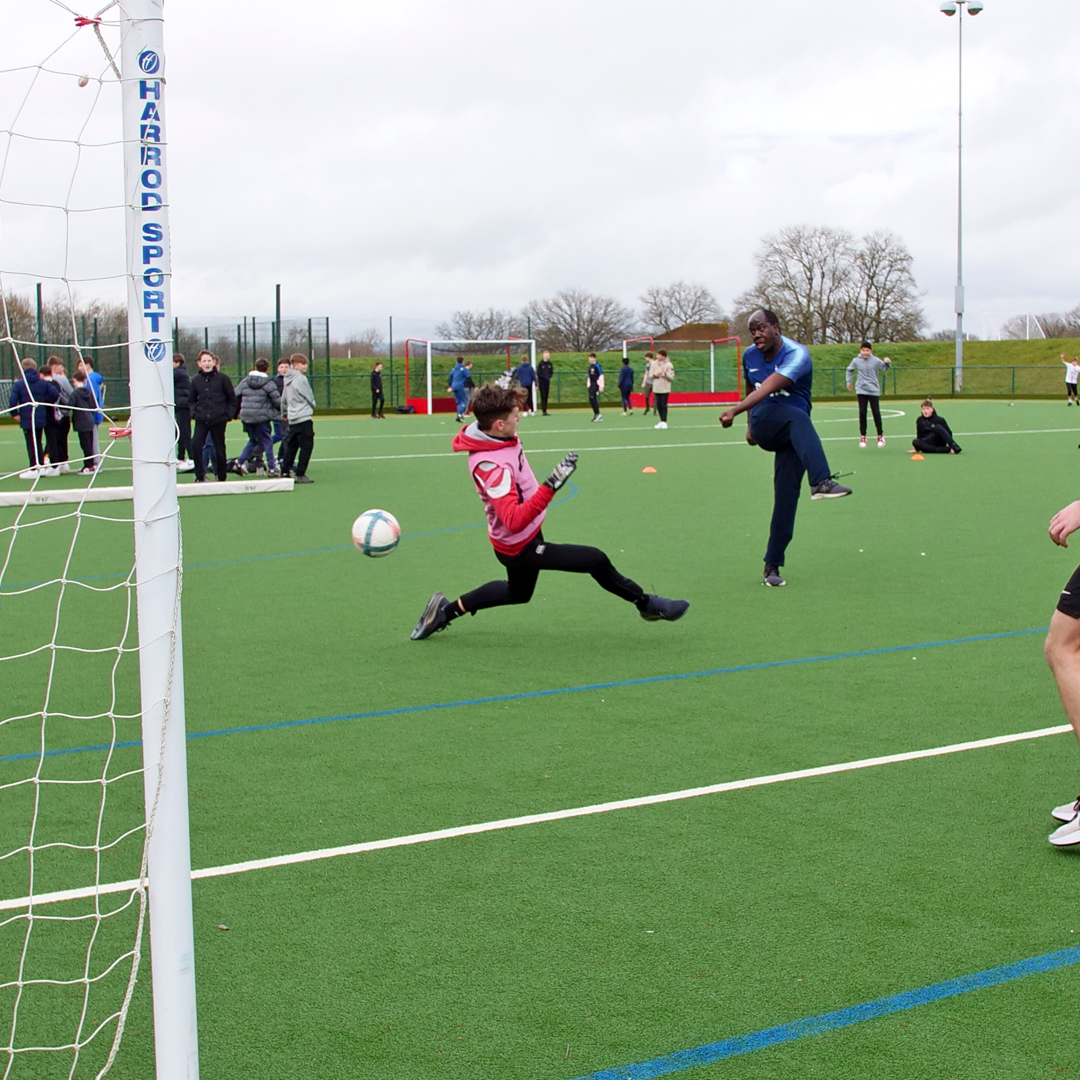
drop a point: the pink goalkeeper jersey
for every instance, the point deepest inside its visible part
(514, 502)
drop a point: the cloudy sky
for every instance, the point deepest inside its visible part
(413, 157)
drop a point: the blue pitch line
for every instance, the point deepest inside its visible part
(842, 1018)
(559, 690)
(573, 491)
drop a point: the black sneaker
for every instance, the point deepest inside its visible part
(434, 618)
(305, 479)
(829, 489)
(772, 576)
(658, 608)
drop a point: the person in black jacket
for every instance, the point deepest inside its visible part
(213, 405)
(182, 401)
(83, 405)
(544, 370)
(378, 401)
(932, 434)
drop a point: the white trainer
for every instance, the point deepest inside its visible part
(64, 468)
(661, 426)
(862, 442)
(1066, 811)
(881, 442)
(30, 474)
(1067, 835)
(187, 465)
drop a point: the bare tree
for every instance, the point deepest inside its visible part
(826, 286)
(490, 325)
(576, 320)
(804, 273)
(882, 302)
(678, 304)
(368, 342)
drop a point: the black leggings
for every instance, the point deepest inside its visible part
(875, 407)
(661, 407)
(594, 401)
(523, 569)
(545, 389)
(217, 436)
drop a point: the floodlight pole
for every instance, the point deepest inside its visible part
(958, 7)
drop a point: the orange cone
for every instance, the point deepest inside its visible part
(648, 468)
(917, 457)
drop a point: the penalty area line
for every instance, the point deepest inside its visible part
(592, 810)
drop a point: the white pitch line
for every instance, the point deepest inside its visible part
(552, 815)
(675, 446)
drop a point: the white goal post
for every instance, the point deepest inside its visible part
(518, 344)
(157, 541)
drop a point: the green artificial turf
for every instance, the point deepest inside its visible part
(526, 953)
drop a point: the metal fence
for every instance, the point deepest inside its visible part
(983, 381)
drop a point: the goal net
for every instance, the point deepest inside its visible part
(428, 365)
(93, 787)
(706, 371)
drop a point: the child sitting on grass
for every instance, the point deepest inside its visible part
(515, 505)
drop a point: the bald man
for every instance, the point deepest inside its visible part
(779, 375)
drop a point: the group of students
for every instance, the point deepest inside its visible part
(272, 409)
(50, 405)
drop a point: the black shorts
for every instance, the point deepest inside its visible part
(1069, 604)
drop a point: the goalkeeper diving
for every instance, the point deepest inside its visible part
(515, 505)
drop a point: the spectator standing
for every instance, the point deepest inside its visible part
(82, 420)
(33, 396)
(470, 386)
(97, 387)
(595, 382)
(544, 371)
(456, 385)
(525, 374)
(646, 381)
(864, 370)
(260, 404)
(626, 386)
(662, 374)
(182, 405)
(281, 427)
(378, 401)
(298, 407)
(932, 433)
(1072, 375)
(213, 405)
(58, 419)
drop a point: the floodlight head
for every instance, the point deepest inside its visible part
(974, 7)
(948, 8)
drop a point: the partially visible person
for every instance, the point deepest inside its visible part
(378, 401)
(455, 383)
(182, 407)
(470, 385)
(260, 404)
(594, 380)
(57, 423)
(662, 375)
(82, 420)
(626, 386)
(545, 370)
(63, 383)
(33, 396)
(298, 407)
(97, 387)
(933, 435)
(525, 374)
(1072, 376)
(1062, 651)
(646, 382)
(281, 426)
(779, 375)
(863, 371)
(213, 405)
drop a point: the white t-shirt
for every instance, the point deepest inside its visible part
(1072, 372)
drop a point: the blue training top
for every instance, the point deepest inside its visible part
(793, 362)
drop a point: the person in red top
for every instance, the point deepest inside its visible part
(515, 505)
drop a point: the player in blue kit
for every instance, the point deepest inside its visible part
(779, 376)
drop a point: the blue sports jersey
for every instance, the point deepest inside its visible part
(793, 362)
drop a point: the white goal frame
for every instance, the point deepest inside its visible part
(464, 343)
(157, 541)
